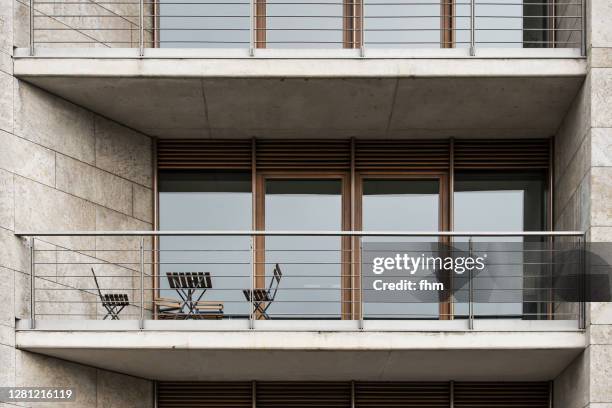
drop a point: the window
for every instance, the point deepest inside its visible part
(399, 185)
(502, 201)
(397, 203)
(311, 265)
(207, 200)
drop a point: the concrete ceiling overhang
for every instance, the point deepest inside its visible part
(322, 355)
(324, 98)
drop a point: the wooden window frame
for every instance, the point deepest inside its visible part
(259, 275)
(447, 23)
(352, 23)
(462, 156)
(442, 177)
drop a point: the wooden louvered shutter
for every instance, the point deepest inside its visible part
(367, 394)
(204, 394)
(402, 394)
(394, 155)
(501, 154)
(379, 155)
(303, 394)
(502, 395)
(275, 154)
(203, 154)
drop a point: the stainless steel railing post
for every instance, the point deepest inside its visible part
(362, 31)
(361, 309)
(31, 27)
(583, 42)
(472, 28)
(471, 291)
(252, 303)
(582, 319)
(252, 28)
(141, 28)
(142, 262)
(32, 285)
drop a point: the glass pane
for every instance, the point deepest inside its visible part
(506, 201)
(304, 24)
(311, 266)
(499, 23)
(207, 201)
(413, 24)
(401, 205)
(204, 24)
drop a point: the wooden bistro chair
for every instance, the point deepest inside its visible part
(263, 298)
(114, 303)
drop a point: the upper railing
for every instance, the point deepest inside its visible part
(361, 25)
(253, 276)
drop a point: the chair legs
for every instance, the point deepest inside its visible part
(262, 307)
(112, 311)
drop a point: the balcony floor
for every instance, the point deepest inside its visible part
(178, 94)
(502, 350)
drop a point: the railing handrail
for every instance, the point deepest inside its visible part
(94, 32)
(307, 233)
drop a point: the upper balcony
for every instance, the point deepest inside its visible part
(306, 28)
(505, 68)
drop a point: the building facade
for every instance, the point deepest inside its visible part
(190, 193)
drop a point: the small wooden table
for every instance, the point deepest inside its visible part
(187, 285)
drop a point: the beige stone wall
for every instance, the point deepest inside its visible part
(600, 329)
(90, 23)
(584, 201)
(63, 167)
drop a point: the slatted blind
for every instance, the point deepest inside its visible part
(402, 394)
(501, 154)
(502, 395)
(335, 154)
(272, 154)
(204, 394)
(369, 394)
(303, 394)
(203, 154)
(402, 155)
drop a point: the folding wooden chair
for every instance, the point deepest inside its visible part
(114, 303)
(263, 298)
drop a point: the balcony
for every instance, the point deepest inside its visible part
(302, 69)
(329, 28)
(315, 280)
(323, 300)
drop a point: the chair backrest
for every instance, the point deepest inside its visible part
(277, 274)
(97, 285)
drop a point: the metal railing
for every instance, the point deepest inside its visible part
(299, 275)
(308, 24)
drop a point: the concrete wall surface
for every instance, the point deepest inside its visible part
(61, 167)
(583, 192)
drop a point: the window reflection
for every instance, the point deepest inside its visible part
(320, 24)
(207, 201)
(304, 24)
(198, 24)
(311, 266)
(502, 201)
(402, 205)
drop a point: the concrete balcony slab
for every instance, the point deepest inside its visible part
(277, 95)
(193, 350)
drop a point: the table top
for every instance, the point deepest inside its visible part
(189, 280)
